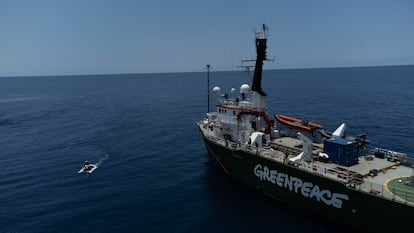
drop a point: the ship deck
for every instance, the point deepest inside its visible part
(371, 174)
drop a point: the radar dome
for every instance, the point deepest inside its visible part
(216, 91)
(244, 89)
(233, 90)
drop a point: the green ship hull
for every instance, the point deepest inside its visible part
(321, 196)
(330, 176)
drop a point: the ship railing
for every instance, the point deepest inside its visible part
(211, 116)
(224, 142)
(228, 103)
(355, 178)
(286, 149)
(342, 175)
(350, 178)
(394, 194)
(235, 145)
(405, 196)
(355, 181)
(228, 119)
(252, 148)
(408, 161)
(337, 173)
(246, 104)
(264, 150)
(215, 138)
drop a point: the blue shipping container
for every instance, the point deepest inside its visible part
(342, 151)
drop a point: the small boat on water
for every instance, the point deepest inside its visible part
(88, 168)
(298, 124)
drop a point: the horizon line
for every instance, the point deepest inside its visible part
(175, 72)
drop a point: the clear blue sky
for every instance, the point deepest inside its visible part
(94, 37)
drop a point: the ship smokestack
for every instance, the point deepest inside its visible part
(261, 39)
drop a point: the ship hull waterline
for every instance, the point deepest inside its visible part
(356, 210)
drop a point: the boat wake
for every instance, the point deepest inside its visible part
(104, 157)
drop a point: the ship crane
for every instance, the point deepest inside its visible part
(307, 149)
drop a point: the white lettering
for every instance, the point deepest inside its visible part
(315, 193)
(322, 196)
(297, 183)
(307, 189)
(266, 173)
(258, 171)
(336, 199)
(273, 174)
(280, 179)
(288, 183)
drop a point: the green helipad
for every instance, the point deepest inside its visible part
(400, 188)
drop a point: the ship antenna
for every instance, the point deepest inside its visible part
(208, 87)
(246, 67)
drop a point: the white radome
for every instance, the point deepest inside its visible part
(244, 88)
(216, 91)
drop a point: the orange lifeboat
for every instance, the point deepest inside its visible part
(297, 124)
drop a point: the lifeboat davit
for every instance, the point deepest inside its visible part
(297, 124)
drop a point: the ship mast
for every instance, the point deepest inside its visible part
(208, 87)
(261, 39)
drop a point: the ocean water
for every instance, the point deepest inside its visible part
(155, 174)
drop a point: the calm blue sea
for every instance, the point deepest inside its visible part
(155, 174)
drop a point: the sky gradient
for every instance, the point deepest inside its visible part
(71, 37)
